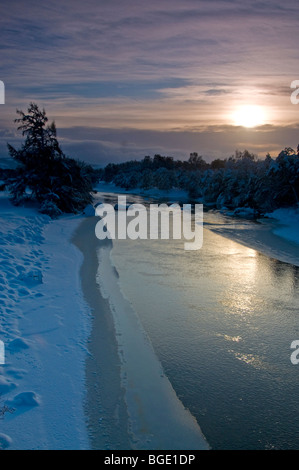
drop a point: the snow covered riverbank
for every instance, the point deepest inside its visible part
(44, 325)
(288, 220)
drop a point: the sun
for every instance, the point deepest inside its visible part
(249, 116)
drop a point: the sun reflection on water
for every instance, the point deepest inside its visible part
(221, 320)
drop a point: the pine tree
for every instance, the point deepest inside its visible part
(58, 183)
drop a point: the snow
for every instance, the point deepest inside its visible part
(288, 227)
(5, 441)
(44, 325)
(243, 212)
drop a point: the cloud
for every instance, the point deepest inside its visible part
(154, 67)
(106, 145)
(97, 41)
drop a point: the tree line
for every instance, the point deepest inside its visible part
(242, 180)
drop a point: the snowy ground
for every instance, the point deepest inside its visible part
(288, 223)
(44, 326)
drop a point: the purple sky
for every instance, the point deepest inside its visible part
(127, 78)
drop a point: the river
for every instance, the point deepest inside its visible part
(221, 321)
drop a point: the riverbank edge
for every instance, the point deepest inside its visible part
(104, 407)
(108, 419)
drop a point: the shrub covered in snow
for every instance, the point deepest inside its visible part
(50, 208)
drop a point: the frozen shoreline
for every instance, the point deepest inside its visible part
(145, 411)
(105, 408)
(288, 220)
(157, 418)
(264, 237)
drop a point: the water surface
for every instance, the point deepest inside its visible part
(221, 320)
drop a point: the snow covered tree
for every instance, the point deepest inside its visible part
(147, 179)
(58, 183)
(41, 143)
(164, 179)
(283, 174)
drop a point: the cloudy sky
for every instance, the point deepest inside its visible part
(127, 78)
